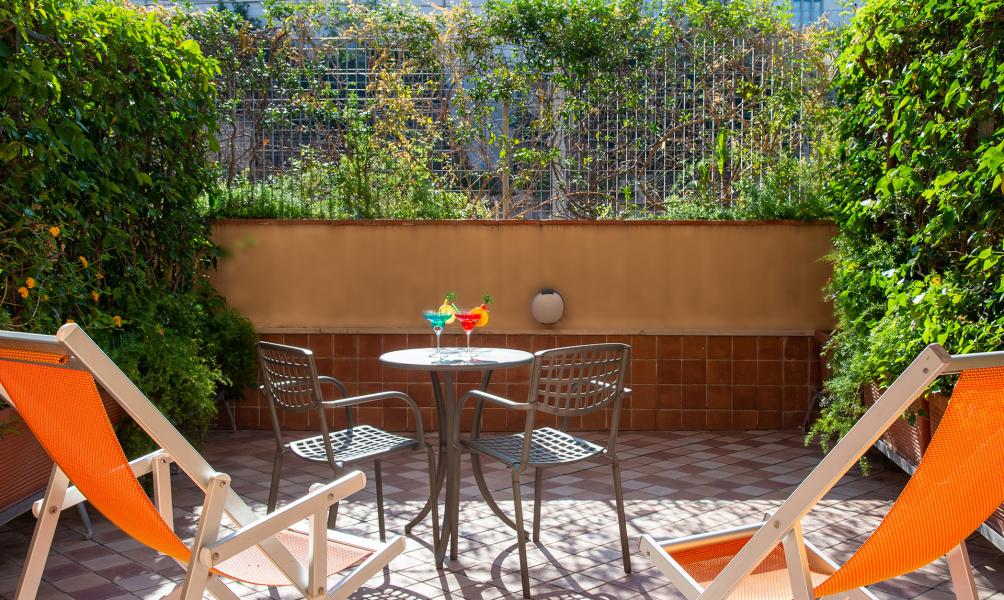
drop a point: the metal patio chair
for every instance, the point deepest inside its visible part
(292, 385)
(565, 382)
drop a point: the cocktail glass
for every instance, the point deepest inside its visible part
(438, 321)
(467, 321)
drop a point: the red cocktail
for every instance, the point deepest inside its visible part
(468, 320)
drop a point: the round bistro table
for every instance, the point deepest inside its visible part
(443, 371)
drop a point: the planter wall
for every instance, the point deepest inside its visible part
(25, 469)
(993, 528)
(25, 465)
(721, 316)
(616, 277)
(678, 382)
(904, 442)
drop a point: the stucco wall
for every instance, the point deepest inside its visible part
(615, 277)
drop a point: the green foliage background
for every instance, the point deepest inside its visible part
(463, 113)
(917, 191)
(106, 120)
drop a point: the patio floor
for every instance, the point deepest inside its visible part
(676, 483)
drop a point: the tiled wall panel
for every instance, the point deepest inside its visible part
(679, 382)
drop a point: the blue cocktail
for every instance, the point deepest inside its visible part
(438, 321)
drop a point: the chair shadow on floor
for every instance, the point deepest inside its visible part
(564, 588)
(386, 592)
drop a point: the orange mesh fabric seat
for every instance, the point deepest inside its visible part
(63, 409)
(769, 581)
(955, 488)
(957, 485)
(57, 396)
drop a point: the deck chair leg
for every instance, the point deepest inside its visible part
(162, 489)
(197, 575)
(379, 498)
(273, 491)
(538, 485)
(524, 574)
(621, 518)
(798, 565)
(962, 573)
(219, 590)
(41, 540)
(317, 555)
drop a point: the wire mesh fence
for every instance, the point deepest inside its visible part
(696, 124)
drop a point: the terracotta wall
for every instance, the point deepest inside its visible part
(615, 277)
(678, 382)
(720, 316)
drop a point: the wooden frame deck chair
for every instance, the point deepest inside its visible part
(53, 382)
(957, 485)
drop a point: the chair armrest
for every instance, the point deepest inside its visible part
(140, 466)
(282, 519)
(354, 400)
(336, 382)
(482, 395)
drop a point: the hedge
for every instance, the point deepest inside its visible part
(917, 191)
(107, 115)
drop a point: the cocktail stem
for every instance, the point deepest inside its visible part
(469, 355)
(437, 331)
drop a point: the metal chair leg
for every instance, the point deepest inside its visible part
(333, 511)
(621, 519)
(486, 493)
(379, 492)
(86, 520)
(524, 574)
(273, 492)
(230, 414)
(538, 484)
(438, 473)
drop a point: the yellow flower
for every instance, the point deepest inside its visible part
(84, 262)
(117, 320)
(54, 231)
(23, 291)
(70, 321)
(30, 282)
(96, 296)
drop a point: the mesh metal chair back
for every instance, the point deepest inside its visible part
(289, 376)
(578, 379)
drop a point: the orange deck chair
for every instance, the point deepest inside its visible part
(957, 485)
(53, 382)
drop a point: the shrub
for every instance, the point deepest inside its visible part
(917, 191)
(573, 108)
(106, 114)
(372, 179)
(788, 188)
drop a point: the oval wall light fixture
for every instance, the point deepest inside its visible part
(547, 306)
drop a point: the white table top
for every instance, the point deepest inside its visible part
(455, 359)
